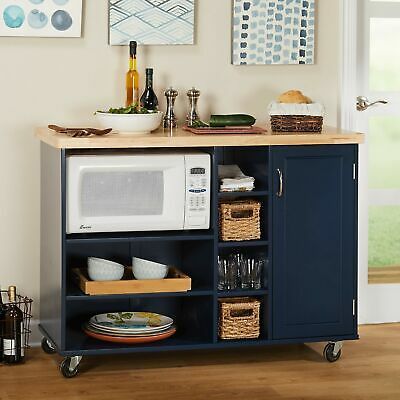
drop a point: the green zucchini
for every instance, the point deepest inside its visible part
(199, 124)
(219, 121)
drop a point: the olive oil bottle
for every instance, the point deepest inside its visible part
(132, 77)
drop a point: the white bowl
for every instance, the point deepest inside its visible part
(138, 124)
(104, 270)
(146, 270)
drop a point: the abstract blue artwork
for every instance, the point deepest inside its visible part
(273, 32)
(151, 21)
(42, 18)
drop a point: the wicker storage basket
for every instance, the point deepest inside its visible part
(239, 318)
(239, 220)
(296, 123)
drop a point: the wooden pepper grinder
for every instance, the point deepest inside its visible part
(170, 120)
(193, 94)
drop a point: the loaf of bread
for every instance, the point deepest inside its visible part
(294, 97)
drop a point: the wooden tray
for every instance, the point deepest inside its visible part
(175, 282)
(227, 130)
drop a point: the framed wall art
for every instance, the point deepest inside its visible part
(41, 18)
(273, 32)
(151, 21)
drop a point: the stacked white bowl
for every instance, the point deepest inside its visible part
(104, 270)
(146, 270)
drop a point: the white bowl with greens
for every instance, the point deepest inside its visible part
(130, 120)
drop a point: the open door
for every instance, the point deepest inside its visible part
(377, 113)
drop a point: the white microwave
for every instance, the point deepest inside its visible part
(138, 192)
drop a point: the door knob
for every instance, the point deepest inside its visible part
(363, 103)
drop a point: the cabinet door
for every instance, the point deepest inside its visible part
(314, 256)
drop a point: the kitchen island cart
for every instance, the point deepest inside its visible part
(307, 186)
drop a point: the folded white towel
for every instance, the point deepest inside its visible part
(237, 188)
(313, 109)
(242, 181)
(233, 179)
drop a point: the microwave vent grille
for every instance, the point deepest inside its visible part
(122, 193)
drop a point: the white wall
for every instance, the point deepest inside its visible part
(64, 80)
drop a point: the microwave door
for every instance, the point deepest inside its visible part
(127, 193)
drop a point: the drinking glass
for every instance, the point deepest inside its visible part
(222, 274)
(227, 273)
(232, 274)
(256, 273)
(239, 271)
(245, 272)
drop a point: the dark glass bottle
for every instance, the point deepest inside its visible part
(149, 99)
(2, 314)
(13, 350)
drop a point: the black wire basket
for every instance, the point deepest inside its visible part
(25, 305)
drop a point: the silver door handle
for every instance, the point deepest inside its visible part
(363, 103)
(280, 190)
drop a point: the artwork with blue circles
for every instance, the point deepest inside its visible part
(41, 18)
(273, 32)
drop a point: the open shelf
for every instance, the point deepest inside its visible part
(241, 342)
(80, 343)
(85, 345)
(262, 296)
(193, 318)
(243, 293)
(245, 243)
(254, 193)
(75, 294)
(91, 346)
(253, 161)
(195, 258)
(78, 238)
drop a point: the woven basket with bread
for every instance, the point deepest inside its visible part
(295, 112)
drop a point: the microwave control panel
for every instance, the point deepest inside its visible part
(198, 174)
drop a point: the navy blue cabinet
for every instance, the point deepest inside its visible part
(314, 228)
(308, 196)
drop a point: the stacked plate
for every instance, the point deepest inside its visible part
(130, 327)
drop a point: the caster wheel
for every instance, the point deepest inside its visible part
(329, 353)
(65, 369)
(47, 347)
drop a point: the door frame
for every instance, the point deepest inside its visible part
(349, 68)
(373, 300)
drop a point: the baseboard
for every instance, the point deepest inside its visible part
(388, 275)
(36, 336)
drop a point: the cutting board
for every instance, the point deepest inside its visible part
(239, 130)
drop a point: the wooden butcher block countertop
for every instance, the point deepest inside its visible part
(181, 138)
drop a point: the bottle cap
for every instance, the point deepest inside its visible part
(133, 48)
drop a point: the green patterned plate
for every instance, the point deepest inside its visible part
(131, 322)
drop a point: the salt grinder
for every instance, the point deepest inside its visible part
(193, 94)
(170, 120)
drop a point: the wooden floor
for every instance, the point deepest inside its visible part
(369, 369)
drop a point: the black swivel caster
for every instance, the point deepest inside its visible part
(47, 347)
(333, 351)
(69, 367)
